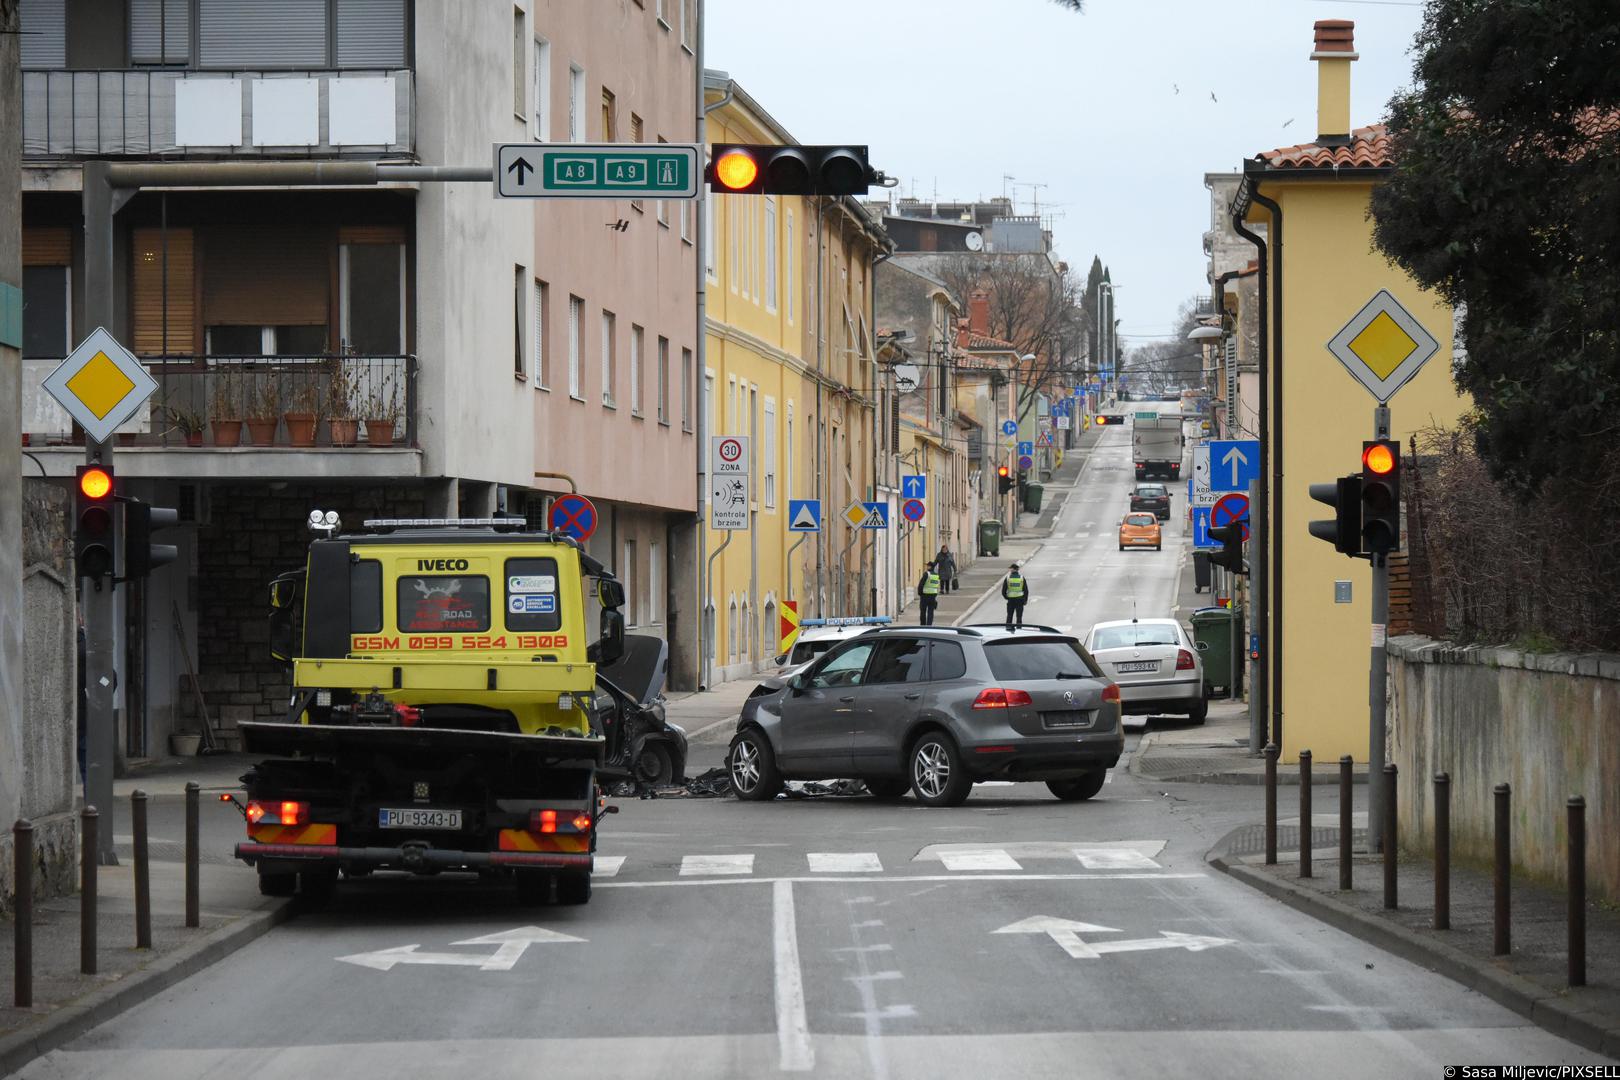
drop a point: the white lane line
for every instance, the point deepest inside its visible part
(692, 865)
(910, 879)
(845, 862)
(1114, 859)
(607, 866)
(792, 1025)
(989, 859)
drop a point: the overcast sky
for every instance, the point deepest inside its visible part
(952, 94)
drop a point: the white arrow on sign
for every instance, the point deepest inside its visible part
(1237, 459)
(511, 945)
(1067, 934)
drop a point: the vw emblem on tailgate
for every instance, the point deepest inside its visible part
(1068, 697)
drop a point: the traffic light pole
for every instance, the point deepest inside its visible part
(1378, 674)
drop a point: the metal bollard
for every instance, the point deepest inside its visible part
(1347, 819)
(22, 943)
(1389, 838)
(193, 856)
(1442, 851)
(1304, 813)
(1501, 877)
(1577, 891)
(89, 839)
(1271, 804)
(143, 871)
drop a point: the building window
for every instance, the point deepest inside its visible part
(768, 453)
(542, 90)
(627, 575)
(637, 337)
(659, 11)
(638, 131)
(770, 253)
(663, 379)
(708, 403)
(576, 103)
(610, 116)
(787, 267)
(160, 32)
(753, 444)
(576, 347)
(686, 220)
(609, 324)
(686, 389)
(655, 584)
(542, 322)
(520, 74)
(686, 7)
(663, 204)
(48, 311)
(520, 324)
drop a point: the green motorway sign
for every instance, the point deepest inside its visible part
(597, 171)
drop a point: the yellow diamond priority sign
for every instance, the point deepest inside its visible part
(100, 384)
(1383, 346)
(855, 514)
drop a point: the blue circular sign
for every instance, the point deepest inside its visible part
(914, 509)
(1009, 427)
(573, 515)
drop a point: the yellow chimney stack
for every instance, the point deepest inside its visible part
(1335, 49)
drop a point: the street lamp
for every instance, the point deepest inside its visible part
(1106, 343)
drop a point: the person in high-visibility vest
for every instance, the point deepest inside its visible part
(1015, 590)
(928, 593)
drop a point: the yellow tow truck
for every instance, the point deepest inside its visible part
(445, 711)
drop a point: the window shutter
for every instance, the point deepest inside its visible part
(44, 33)
(150, 19)
(250, 33)
(148, 293)
(370, 33)
(267, 276)
(47, 247)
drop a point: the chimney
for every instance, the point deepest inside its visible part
(979, 313)
(1335, 49)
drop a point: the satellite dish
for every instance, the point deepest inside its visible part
(907, 378)
(974, 241)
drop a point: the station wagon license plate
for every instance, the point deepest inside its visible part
(418, 818)
(1137, 665)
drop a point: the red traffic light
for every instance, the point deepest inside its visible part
(95, 483)
(1378, 458)
(736, 169)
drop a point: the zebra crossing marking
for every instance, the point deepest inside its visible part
(845, 862)
(695, 865)
(982, 859)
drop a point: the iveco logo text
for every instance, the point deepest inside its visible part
(441, 564)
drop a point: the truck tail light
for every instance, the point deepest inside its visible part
(1111, 693)
(582, 823)
(1184, 660)
(553, 821)
(996, 697)
(409, 716)
(277, 812)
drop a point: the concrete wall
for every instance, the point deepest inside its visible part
(1543, 723)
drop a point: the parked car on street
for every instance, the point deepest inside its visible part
(1155, 664)
(933, 710)
(1140, 530)
(1154, 498)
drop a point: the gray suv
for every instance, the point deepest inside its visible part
(934, 709)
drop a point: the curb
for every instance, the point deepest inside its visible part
(97, 1007)
(1247, 779)
(1544, 1008)
(961, 620)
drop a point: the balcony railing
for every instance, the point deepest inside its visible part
(278, 114)
(254, 401)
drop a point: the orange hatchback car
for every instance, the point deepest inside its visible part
(1140, 530)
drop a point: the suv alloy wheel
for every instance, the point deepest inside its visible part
(937, 774)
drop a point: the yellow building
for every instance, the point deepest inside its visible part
(789, 359)
(1318, 270)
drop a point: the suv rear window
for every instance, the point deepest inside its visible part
(1150, 491)
(1029, 659)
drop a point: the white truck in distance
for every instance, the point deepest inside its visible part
(1156, 445)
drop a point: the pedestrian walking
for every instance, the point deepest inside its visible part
(928, 593)
(945, 562)
(1015, 590)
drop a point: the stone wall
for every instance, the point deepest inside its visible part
(1546, 723)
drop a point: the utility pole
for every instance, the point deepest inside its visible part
(12, 716)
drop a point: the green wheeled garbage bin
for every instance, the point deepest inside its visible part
(1032, 497)
(990, 537)
(1218, 635)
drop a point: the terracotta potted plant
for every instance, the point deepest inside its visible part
(225, 406)
(263, 410)
(344, 420)
(304, 416)
(187, 421)
(383, 410)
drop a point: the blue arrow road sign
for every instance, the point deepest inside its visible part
(804, 515)
(1009, 427)
(1234, 464)
(1200, 528)
(877, 515)
(914, 487)
(1027, 448)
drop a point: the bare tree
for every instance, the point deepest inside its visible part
(1176, 362)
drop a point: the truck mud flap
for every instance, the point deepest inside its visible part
(418, 859)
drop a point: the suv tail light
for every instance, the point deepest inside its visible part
(1184, 660)
(277, 812)
(996, 697)
(1111, 693)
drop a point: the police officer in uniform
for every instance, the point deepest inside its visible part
(1015, 590)
(928, 593)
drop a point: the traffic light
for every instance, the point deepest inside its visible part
(1380, 496)
(1344, 531)
(1004, 480)
(93, 502)
(747, 169)
(141, 556)
(1230, 537)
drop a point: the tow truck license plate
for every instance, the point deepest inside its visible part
(418, 818)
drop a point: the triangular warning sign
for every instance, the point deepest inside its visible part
(804, 519)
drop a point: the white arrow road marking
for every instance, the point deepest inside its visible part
(511, 945)
(1065, 932)
(1171, 940)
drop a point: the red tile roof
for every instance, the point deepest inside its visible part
(1369, 148)
(968, 339)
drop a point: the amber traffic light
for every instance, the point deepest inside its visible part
(1380, 496)
(1004, 480)
(93, 502)
(755, 169)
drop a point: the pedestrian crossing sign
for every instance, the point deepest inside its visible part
(788, 617)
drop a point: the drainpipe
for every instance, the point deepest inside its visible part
(1260, 618)
(1275, 491)
(564, 477)
(871, 290)
(700, 363)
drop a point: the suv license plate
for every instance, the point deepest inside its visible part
(1137, 665)
(418, 818)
